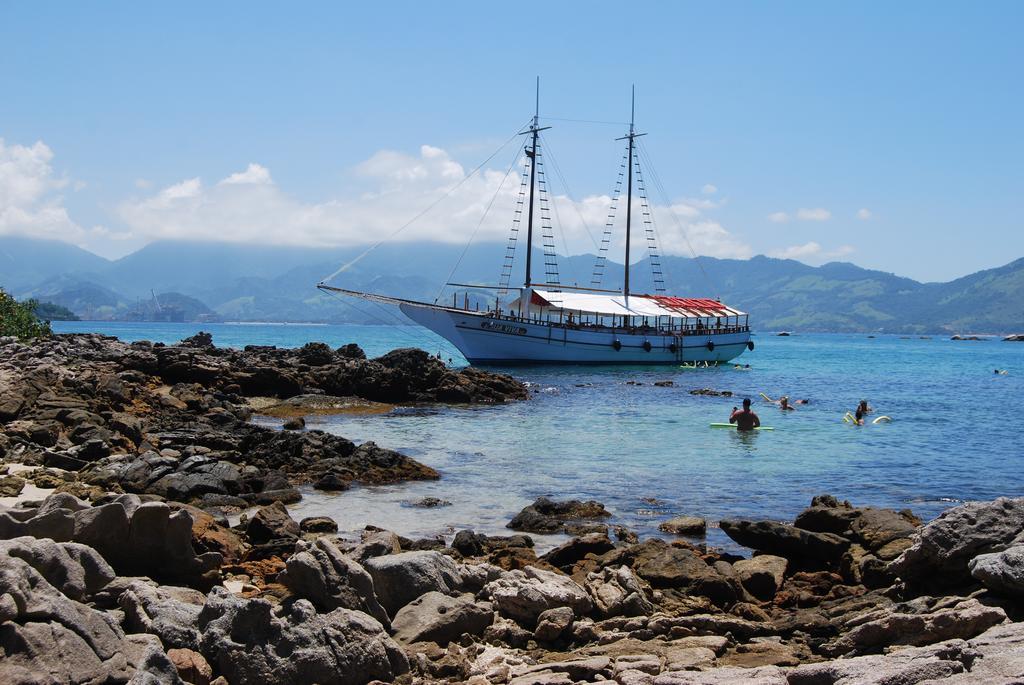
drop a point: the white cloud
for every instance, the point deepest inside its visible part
(805, 251)
(864, 214)
(30, 203)
(816, 214)
(778, 217)
(393, 187)
(254, 173)
(387, 190)
(811, 252)
(709, 189)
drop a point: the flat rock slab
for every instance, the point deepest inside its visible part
(685, 525)
(436, 617)
(796, 544)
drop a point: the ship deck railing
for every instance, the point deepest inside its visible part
(667, 330)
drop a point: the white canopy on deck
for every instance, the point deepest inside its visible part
(633, 305)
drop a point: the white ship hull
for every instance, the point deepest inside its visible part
(485, 339)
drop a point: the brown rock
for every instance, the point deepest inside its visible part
(191, 665)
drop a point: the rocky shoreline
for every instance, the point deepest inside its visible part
(122, 566)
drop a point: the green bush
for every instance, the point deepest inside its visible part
(19, 319)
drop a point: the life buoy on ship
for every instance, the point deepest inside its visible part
(647, 345)
(617, 345)
(750, 345)
(711, 346)
(672, 348)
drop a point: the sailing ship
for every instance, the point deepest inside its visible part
(549, 322)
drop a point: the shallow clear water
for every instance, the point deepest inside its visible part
(587, 433)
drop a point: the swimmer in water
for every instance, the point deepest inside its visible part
(1001, 372)
(783, 402)
(745, 419)
(856, 419)
(864, 407)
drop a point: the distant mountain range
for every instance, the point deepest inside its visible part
(210, 281)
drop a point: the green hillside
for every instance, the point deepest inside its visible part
(209, 281)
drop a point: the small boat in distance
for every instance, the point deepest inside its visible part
(554, 323)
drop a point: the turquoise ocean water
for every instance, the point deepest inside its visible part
(589, 433)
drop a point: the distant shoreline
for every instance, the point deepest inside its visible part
(763, 333)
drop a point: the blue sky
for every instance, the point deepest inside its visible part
(886, 134)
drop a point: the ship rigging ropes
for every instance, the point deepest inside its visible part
(348, 265)
(642, 153)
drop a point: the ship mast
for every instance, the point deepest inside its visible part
(629, 186)
(534, 129)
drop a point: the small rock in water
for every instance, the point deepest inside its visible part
(427, 503)
(664, 384)
(318, 524)
(548, 516)
(684, 525)
(298, 423)
(332, 482)
(711, 392)
(200, 339)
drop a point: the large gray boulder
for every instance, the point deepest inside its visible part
(524, 595)
(435, 617)
(1001, 572)
(58, 525)
(169, 612)
(942, 550)
(247, 643)
(618, 592)
(135, 538)
(321, 573)
(73, 570)
(400, 578)
(46, 636)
